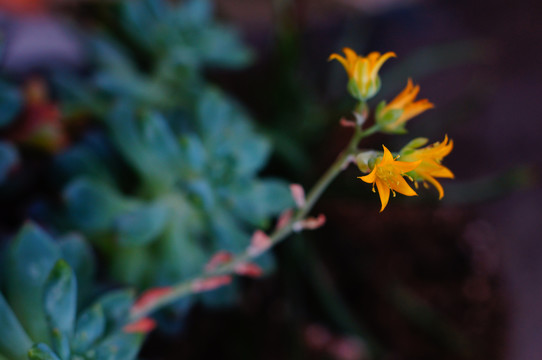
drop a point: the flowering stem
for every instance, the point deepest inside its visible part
(186, 288)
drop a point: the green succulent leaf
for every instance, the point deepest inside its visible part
(60, 298)
(116, 307)
(119, 346)
(93, 205)
(259, 200)
(194, 155)
(14, 343)
(42, 352)
(11, 101)
(90, 327)
(142, 225)
(30, 259)
(77, 252)
(8, 158)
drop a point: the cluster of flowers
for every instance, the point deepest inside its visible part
(418, 163)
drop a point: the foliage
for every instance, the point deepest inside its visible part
(192, 153)
(45, 284)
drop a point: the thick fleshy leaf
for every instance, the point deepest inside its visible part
(60, 343)
(11, 101)
(90, 327)
(259, 200)
(93, 205)
(221, 46)
(78, 253)
(141, 226)
(229, 138)
(30, 259)
(14, 343)
(92, 157)
(159, 139)
(42, 352)
(229, 234)
(133, 265)
(182, 255)
(60, 298)
(194, 154)
(8, 159)
(146, 143)
(116, 307)
(119, 346)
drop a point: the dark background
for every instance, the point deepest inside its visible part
(456, 279)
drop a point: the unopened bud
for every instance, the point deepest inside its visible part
(364, 159)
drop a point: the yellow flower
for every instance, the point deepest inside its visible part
(364, 81)
(394, 115)
(388, 175)
(430, 167)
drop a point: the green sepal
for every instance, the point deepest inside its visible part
(387, 118)
(42, 352)
(354, 90)
(14, 342)
(90, 327)
(378, 110)
(413, 144)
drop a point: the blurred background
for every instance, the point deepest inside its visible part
(453, 279)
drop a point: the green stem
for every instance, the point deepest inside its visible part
(186, 288)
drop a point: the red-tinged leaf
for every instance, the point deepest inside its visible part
(259, 243)
(144, 325)
(347, 123)
(248, 269)
(284, 219)
(150, 296)
(221, 257)
(310, 223)
(211, 283)
(298, 194)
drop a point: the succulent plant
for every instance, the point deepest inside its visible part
(40, 301)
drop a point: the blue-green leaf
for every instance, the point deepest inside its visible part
(90, 327)
(42, 352)
(78, 253)
(8, 158)
(60, 295)
(259, 200)
(14, 343)
(142, 225)
(11, 101)
(116, 307)
(30, 259)
(194, 154)
(119, 346)
(92, 205)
